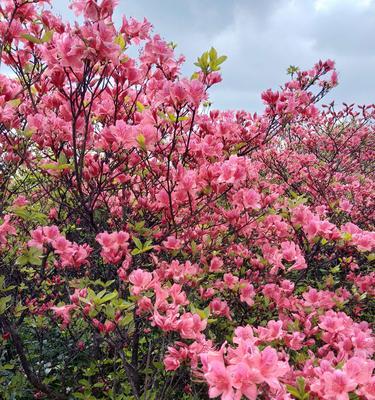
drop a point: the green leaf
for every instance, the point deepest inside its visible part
(292, 69)
(18, 309)
(56, 167)
(139, 225)
(301, 384)
(27, 133)
(79, 395)
(110, 312)
(221, 59)
(104, 284)
(7, 366)
(141, 140)
(209, 61)
(213, 54)
(204, 314)
(3, 303)
(335, 269)
(108, 297)
(47, 36)
(35, 260)
(128, 319)
(62, 158)
(293, 391)
(22, 260)
(138, 243)
(140, 106)
(299, 392)
(204, 58)
(32, 38)
(14, 102)
(35, 255)
(101, 294)
(49, 166)
(193, 246)
(346, 236)
(30, 256)
(120, 41)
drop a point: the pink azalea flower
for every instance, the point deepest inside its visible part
(64, 312)
(219, 380)
(140, 279)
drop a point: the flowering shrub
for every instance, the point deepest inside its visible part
(152, 248)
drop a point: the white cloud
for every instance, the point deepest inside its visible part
(328, 5)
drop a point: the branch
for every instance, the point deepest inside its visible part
(31, 376)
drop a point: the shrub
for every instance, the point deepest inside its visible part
(153, 248)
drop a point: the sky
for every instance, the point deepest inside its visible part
(262, 38)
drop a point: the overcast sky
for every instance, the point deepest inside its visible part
(263, 37)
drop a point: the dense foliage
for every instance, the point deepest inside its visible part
(152, 248)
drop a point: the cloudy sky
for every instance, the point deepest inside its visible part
(263, 37)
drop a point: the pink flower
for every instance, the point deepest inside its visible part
(270, 97)
(135, 30)
(359, 369)
(271, 368)
(91, 10)
(337, 385)
(289, 251)
(251, 199)
(172, 243)
(51, 233)
(230, 280)
(247, 293)
(333, 322)
(244, 334)
(196, 91)
(171, 363)
(233, 171)
(107, 7)
(220, 307)
(273, 331)
(144, 305)
(312, 228)
(141, 280)
(345, 205)
(166, 322)
(20, 201)
(215, 264)
(109, 326)
(64, 312)
(219, 379)
(244, 380)
(190, 326)
(295, 340)
(61, 245)
(368, 390)
(78, 294)
(70, 50)
(6, 228)
(114, 246)
(364, 241)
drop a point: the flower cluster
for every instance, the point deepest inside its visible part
(152, 246)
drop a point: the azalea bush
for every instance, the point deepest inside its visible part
(154, 248)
